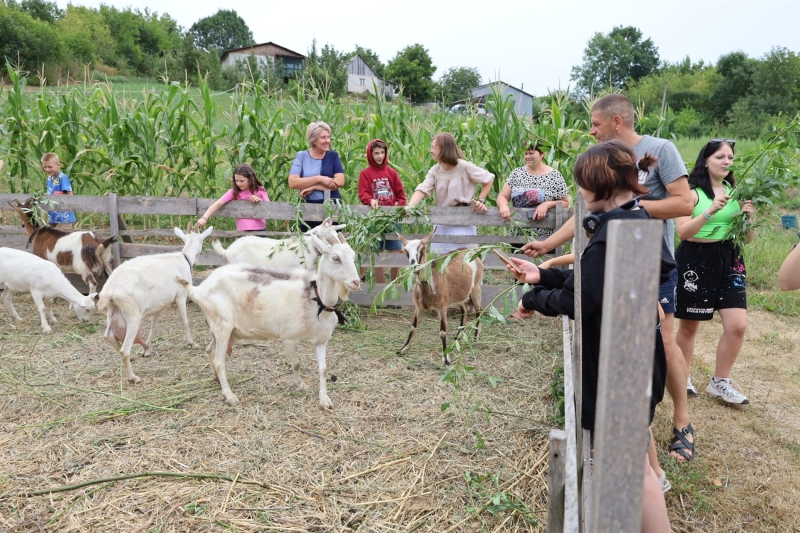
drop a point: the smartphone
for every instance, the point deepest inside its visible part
(504, 258)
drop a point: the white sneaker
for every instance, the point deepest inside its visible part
(690, 388)
(665, 484)
(723, 389)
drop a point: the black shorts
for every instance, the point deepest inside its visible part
(711, 276)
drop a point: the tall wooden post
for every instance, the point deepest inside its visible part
(113, 219)
(624, 384)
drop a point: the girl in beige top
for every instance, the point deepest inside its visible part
(452, 181)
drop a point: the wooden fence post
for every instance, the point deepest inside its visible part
(113, 220)
(627, 341)
(559, 222)
(556, 474)
(571, 494)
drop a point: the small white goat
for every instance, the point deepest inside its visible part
(24, 272)
(459, 284)
(144, 287)
(82, 252)
(279, 253)
(257, 302)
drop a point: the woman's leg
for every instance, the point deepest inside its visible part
(654, 508)
(734, 324)
(685, 338)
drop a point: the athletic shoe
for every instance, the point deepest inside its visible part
(690, 388)
(665, 484)
(723, 389)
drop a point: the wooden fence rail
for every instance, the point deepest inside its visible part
(115, 206)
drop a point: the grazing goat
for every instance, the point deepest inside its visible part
(144, 287)
(257, 302)
(279, 253)
(458, 284)
(24, 272)
(81, 252)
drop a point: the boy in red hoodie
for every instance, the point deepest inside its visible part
(379, 185)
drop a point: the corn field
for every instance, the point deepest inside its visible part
(183, 140)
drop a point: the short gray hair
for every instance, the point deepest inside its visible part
(313, 131)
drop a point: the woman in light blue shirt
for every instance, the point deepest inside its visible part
(318, 168)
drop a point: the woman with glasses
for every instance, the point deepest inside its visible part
(711, 270)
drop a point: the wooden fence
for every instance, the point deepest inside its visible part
(599, 489)
(115, 207)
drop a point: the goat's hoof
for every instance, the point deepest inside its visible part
(47, 330)
(194, 345)
(325, 403)
(232, 400)
(301, 386)
(135, 380)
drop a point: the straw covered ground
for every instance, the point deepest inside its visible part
(387, 458)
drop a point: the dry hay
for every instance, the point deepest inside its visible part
(387, 458)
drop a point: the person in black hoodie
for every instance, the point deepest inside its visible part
(607, 175)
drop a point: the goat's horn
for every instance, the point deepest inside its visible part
(189, 227)
(14, 203)
(196, 227)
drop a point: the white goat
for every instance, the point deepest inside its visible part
(257, 302)
(24, 272)
(459, 284)
(144, 287)
(280, 253)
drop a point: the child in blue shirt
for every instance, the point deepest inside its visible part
(57, 183)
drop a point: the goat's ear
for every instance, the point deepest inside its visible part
(207, 232)
(338, 227)
(427, 238)
(402, 239)
(93, 296)
(327, 222)
(320, 245)
(180, 234)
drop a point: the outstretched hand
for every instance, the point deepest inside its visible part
(529, 273)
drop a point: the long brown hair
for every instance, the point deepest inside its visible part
(247, 171)
(449, 152)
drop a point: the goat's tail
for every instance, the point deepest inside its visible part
(218, 247)
(104, 301)
(104, 247)
(186, 285)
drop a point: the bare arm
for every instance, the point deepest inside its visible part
(210, 211)
(563, 235)
(298, 183)
(789, 275)
(416, 198)
(678, 204)
(502, 201)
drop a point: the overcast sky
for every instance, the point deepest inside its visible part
(527, 43)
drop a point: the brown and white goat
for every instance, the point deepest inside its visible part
(459, 284)
(81, 252)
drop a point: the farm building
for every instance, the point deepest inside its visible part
(361, 78)
(265, 54)
(523, 102)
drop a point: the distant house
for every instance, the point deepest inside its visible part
(362, 79)
(523, 102)
(265, 54)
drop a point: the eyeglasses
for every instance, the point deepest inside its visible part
(718, 140)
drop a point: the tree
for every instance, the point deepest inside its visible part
(326, 69)
(776, 82)
(737, 72)
(615, 58)
(456, 82)
(224, 30)
(411, 70)
(371, 58)
(42, 10)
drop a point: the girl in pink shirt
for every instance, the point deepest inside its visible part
(245, 187)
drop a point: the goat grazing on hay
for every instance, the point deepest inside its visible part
(144, 287)
(459, 284)
(81, 252)
(256, 302)
(24, 272)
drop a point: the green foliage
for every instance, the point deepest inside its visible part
(736, 70)
(614, 59)
(456, 82)
(42, 10)
(557, 394)
(411, 71)
(224, 30)
(27, 40)
(487, 488)
(326, 70)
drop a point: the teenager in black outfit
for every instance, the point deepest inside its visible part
(608, 178)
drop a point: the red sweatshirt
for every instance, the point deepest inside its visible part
(380, 182)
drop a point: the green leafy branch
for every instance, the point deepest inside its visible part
(762, 176)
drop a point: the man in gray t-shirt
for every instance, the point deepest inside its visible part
(670, 168)
(668, 185)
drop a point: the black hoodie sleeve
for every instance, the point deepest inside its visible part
(554, 295)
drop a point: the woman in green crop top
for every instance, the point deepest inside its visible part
(711, 270)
